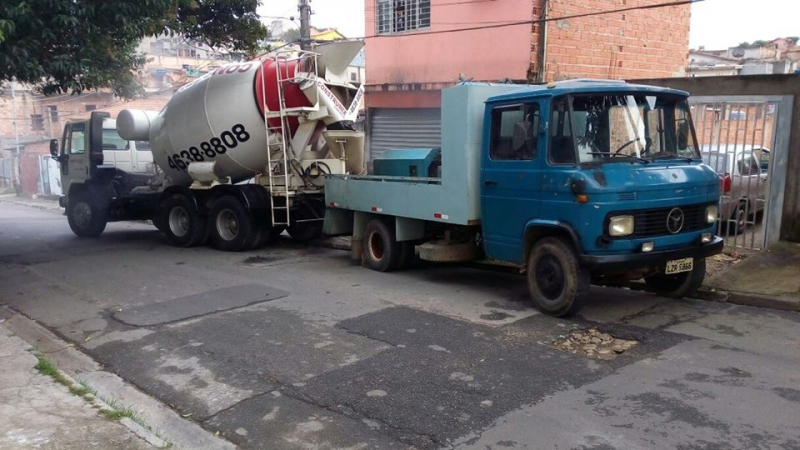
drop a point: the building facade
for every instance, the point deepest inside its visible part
(415, 48)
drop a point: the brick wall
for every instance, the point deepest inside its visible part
(50, 121)
(647, 43)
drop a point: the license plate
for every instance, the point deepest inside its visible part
(679, 265)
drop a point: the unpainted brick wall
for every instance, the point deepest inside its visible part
(646, 43)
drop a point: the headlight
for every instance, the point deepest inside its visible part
(620, 226)
(712, 214)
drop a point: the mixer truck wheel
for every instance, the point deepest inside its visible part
(232, 227)
(85, 218)
(381, 249)
(556, 282)
(181, 222)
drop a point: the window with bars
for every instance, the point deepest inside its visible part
(398, 16)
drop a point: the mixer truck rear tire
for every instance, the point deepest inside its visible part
(85, 218)
(381, 250)
(182, 223)
(233, 229)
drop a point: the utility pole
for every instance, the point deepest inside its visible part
(15, 182)
(305, 29)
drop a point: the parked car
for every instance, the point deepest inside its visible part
(743, 171)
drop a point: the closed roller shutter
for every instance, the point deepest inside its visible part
(404, 128)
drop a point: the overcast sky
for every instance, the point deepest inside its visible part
(715, 23)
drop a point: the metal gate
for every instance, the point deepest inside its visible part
(745, 140)
(403, 128)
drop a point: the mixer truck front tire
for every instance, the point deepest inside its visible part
(232, 227)
(182, 223)
(85, 218)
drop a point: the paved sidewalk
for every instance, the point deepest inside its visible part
(769, 279)
(37, 412)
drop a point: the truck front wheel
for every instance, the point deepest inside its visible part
(381, 251)
(85, 218)
(678, 285)
(557, 284)
(182, 223)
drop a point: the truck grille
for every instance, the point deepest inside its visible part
(653, 222)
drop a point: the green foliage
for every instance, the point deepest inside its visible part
(75, 45)
(794, 38)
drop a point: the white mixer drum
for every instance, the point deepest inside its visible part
(214, 118)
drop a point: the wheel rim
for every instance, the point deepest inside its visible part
(227, 225)
(550, 277)
(179, 221)
(376, 248)
(741, 216)
(82, 215)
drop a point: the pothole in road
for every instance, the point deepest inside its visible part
(593, 344)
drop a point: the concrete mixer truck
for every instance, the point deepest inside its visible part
(241, 152)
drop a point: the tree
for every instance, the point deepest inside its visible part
(291, 35)
(794, 39)
(75, 45)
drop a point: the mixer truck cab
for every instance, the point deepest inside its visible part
(574, 183)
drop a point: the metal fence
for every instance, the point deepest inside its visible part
(737, 138)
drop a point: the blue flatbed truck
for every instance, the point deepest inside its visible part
(575, 183)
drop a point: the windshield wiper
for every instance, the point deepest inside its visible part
(619, 155)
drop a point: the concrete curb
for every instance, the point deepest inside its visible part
(167, 425)
(783, 303)
(38, 205)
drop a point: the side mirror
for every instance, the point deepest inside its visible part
(54, 148)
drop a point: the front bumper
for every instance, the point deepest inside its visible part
(639, 260)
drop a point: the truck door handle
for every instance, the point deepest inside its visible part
(490, 183)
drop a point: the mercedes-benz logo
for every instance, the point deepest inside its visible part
(675, 220)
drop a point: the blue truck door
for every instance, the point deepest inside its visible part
(510, 178)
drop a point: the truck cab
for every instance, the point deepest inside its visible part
(98, 167)
(606, 170)
(575, 183)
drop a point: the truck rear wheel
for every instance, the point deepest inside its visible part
(182, 223)
(232, 227)
(678, 285)
(381, 250)
(85, 218)
(305, 232)
(557, 284)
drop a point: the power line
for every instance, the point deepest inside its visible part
(549, 19)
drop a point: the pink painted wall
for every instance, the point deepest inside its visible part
(485, 55)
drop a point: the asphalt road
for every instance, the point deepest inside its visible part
(294, 347)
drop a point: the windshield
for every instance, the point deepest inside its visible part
(112, 140)
(628, 126)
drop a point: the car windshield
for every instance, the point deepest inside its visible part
(631, 126)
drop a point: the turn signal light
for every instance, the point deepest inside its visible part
(583, 198)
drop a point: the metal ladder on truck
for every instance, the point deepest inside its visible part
(280, 210)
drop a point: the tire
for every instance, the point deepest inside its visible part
(737, 223)
(266, 234)
(679, 285)
(557, 285)
(381, 250)
(232, 226)
(305, 232)
(85, 218)
(182, 223)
